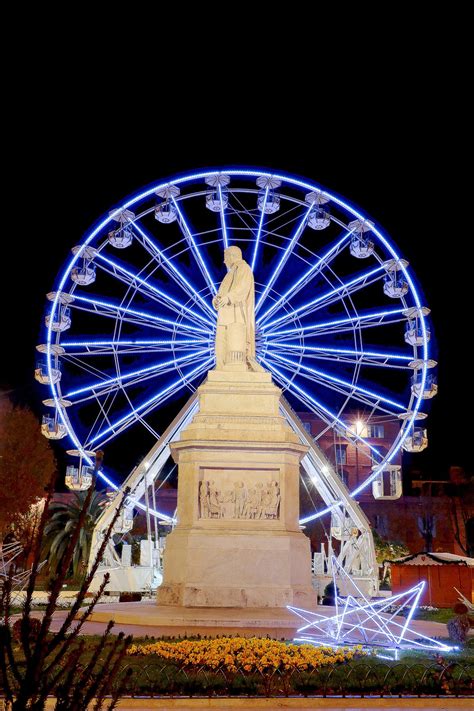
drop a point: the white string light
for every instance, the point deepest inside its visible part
(366, 622)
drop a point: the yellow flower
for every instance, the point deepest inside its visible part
(254, 654)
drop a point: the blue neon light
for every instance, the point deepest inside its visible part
(259, 231)
(293, 386)
(170, 342)
(190, 376)
(165, 297)
(323, 297)
(334, 379)
(194, 248)
(339, 351)
(190, 289)
(144, 314)
(293, 290)
(224, 226)
(125, 376)
(156, 514)
(337, 322)
(283, 260)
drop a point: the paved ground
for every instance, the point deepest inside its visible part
(294, 704)
(430, 629)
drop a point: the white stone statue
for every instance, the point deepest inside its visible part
(260, 501)
(240, 499)
(273, 508)
(235, 306)
(228, 503)
(215, 504)
(204, 499)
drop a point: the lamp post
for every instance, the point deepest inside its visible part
(359, 428)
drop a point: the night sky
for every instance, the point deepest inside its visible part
(390, 166)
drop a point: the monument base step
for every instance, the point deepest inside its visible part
(191, 621)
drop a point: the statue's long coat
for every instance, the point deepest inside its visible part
(238, 284)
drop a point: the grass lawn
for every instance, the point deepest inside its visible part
(413, 673)
(443, 614)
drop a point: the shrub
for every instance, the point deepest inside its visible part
(130, 597)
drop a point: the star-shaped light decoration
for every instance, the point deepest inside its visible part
(358, 620)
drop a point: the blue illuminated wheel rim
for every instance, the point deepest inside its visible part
(332, 297)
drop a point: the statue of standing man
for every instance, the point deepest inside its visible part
(235, 305)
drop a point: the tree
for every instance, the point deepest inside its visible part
(427, 529)
(385, 551)
(35, 662)
(25, 531)
(388, 550)
(27, 462)
(58, 529)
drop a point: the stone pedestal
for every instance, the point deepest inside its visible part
(237, 543)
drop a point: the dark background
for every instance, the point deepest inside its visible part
(399, 154)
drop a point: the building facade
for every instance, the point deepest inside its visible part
(432, 514)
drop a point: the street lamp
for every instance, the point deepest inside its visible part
(359, 428)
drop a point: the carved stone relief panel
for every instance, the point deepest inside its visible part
(232, 494)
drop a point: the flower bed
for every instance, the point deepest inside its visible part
(249, 655)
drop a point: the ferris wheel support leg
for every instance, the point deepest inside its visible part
(356, 548)
(138, 481)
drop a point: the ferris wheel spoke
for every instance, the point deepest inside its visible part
(134, 415)
(86, 367)
(135, 376)
(225, 237)
(345, 387)
(248, 227)
(283, 259)
(136, 283)
(157, 399)
(242, 211)
(102, 418)
(287, 384)
(345, 355)
(259, 230)
(143, 318)
(106, 421)
(188, 235)
(310, 273)
(172, 270)
(291, 219)
(275, 234)
(329, 297)
(342, 325)
(324, 413)
(147, 289)
(131, 347)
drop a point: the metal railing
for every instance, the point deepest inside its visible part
(362, 678)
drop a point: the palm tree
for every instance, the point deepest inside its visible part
(60, 527)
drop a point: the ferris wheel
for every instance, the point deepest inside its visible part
(340, 323)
